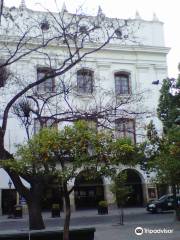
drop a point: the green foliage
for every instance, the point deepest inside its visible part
(103, 204)
(56, 206)
(119, 188)
(169, 103)
(62, 153)
(35, 157)
(163, 155)
(169, 157)
(150, 148)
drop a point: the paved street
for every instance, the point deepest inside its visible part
(107, 226)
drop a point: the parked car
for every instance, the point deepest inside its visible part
(164, 203)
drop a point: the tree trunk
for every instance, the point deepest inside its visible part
(67, 212)
(35, 215)
(4, 154)
(33, 198)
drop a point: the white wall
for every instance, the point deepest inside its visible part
(145, 59)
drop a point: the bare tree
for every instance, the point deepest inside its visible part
(26, 35)
(58, 107)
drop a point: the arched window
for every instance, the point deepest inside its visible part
(118, 33)
(122, 85)
(85, 81)
(125, 128)
(83, 29)
(49, 84)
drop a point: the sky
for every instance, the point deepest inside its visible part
(166, 11)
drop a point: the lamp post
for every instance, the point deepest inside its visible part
(10, 200)
(171, 80)
(156, 82)
(10, 184)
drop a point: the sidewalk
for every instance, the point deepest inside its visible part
(80, 214)
(107, 226)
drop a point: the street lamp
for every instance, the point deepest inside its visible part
(10, 200)
(171, 80)
(10, 184)
(156, 82)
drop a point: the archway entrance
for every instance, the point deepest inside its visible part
(8, 200)
(52, 195)
(134, 182)
(88, 192)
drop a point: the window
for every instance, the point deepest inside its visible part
(118, 33)
(122, 83)
(46, 122)
(44, 25)
(125, 128)
(49, 84)
(85, 81)
(83, 29)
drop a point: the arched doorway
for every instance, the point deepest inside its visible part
(88, 192)
(134, 182)
(9, 200)
(52, 194)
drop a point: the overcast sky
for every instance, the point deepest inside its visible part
(166, 11)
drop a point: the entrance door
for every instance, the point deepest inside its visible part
(88, 193)
(52, 195)
(9, 197)
(135, 196)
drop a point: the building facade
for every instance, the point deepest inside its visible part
(124, 67)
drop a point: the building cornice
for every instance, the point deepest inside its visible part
(137, 48)
(109, 47)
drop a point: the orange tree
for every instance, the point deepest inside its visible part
(23, 35)
(61, 154)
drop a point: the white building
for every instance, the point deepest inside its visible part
(126, 66)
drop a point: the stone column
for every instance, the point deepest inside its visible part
(109, 196)
(145, 193)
